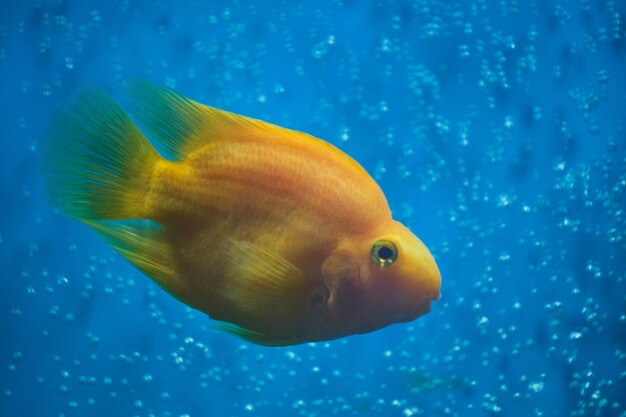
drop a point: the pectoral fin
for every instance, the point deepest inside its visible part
(266, 290)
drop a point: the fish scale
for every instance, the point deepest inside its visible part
(278, 236)
(283, 180)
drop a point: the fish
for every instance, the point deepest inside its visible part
(279, 237)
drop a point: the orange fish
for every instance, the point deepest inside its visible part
(280, 236)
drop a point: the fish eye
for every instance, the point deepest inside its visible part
(384, 253)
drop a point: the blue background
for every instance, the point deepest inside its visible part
(496, 130)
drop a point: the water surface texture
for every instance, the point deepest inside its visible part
(495, 128)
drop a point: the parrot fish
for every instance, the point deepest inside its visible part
(279, 237)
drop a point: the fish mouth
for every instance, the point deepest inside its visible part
(423, 306)
(427, 301)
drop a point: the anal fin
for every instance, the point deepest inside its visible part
(252, 336)
(141, 243)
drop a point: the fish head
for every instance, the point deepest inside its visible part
(403, 278)
(380, 278)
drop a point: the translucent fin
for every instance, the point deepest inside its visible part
(252, 336)
(98, 163)
(182, 125)
(262, 283)
(140, 242)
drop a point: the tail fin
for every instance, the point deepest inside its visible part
(98, 162)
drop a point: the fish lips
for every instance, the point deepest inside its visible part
(422, 307)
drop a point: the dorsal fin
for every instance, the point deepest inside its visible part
(182, 125)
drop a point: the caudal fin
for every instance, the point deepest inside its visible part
(98, 163)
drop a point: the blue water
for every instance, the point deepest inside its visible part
(496, 129)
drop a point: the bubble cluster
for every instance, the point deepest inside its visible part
(496, 130)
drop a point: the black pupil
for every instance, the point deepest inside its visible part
(385, 253)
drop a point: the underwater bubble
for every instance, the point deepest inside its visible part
(536, 387)
(322, 47)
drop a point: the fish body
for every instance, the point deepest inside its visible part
(277, 235)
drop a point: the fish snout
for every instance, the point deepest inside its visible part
(426, 278)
